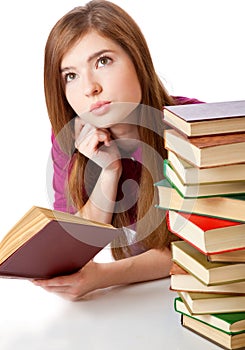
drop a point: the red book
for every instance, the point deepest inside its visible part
(46, 243)
(208, 234)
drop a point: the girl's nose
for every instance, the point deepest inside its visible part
(92, 87)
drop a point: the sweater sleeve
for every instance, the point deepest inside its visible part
(181, 100)
(61, 163)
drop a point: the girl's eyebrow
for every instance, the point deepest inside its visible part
(90, 58)
(98, 53)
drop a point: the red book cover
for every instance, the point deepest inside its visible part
(208, 234)
(208, 223)
(59, 248)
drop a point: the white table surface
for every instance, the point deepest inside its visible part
(139, 316)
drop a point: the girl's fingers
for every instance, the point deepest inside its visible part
(82, 132)
(91, 137)
(52, 283)
(78, 126)
(96, 144)
(176, 269)
(105, 138)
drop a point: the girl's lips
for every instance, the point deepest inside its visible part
(100, 108)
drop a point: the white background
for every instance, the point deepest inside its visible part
(197, 48)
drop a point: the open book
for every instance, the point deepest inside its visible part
(45, 243)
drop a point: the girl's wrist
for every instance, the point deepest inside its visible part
(112, 172)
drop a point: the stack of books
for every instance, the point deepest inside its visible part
(203, 191)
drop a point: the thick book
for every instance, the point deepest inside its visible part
(207, 118)
(209, 273)
(230, 207)
(212, 303)
(191, 174)
(230, 323)
(216, 336)
(207, 234)
(45, 243)
(232, 256)
(207, 151)
(189, 283)
(201, 189)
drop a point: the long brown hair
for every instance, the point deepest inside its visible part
(110, 21)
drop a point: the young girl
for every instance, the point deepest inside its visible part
(105, 101)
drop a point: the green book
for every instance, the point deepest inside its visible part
(214, 335)
(201, 190)
(230, 207)
(191, 174)
(230, 323)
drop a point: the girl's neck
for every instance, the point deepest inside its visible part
(126, 136)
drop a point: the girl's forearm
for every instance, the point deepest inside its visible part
(151, 265)
(100, 205)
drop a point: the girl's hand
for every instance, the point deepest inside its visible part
(75, 286)
(177, 270)
(96, 144)
(150, 265)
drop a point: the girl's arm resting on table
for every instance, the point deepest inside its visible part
(150, 265)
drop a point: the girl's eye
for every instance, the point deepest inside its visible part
(69, 77)
(103, 61)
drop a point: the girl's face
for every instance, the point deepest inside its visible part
(101, 83)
